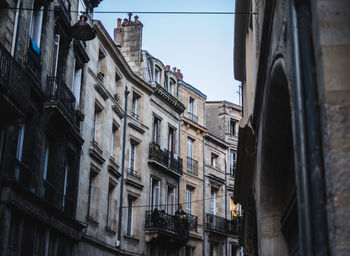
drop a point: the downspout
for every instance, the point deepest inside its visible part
(203, 217)
(179, 154)
(122, 170)
(307, 135)
(225, 202)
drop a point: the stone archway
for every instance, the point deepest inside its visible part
(278, 212)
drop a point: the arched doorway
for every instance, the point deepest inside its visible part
(278, 201)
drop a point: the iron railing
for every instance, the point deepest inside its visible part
(234, 226)
(165, 157)
(175, 224)
(192, 166)
(58, 91)
(192, 222)
(65, 5)
(134, 115)
(192, 117)
(133, 172)
(217, 224)
(23, 174)
(13, 79)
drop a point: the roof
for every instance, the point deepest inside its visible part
(193, 89)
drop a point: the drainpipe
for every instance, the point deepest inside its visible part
(307, 135)
(122, 170)
(203, 220)
(225, 202)
(178, 153)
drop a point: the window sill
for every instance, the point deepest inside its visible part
(110, 230)
(131, 237)
(91, 220)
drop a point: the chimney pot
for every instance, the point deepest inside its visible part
(167, 67)
(119, 23)
(178, 71)
(136, 18)
(178, 74)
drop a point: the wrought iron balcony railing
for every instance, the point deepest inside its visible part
(23, 174)
(234, 226)
(64, 7)
(133, 172)
(177, 225)
(192, 117)
(165, 157)
(192, 166)
(14, 81)
(192, 222)
(58, 91)
(134, 115)
(217, 224)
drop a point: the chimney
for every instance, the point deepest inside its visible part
(129, 38)
(117, 33)
(167, 67)
(179, 75)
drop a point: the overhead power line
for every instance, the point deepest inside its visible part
(148, 12)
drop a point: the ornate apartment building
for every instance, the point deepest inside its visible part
(40, 79)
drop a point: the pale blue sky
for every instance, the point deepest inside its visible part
(200, 45)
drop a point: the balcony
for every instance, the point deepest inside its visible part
(14, 81)
(192, 117)
(168, 227)
(217, 224)
(134, 115)
(192, 166)
(23, 174)
(164, 159)
(56, 199)
(165, 95)
(59, 94)
(234, 226)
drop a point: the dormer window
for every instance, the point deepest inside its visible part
(157, 75)
(171, 86)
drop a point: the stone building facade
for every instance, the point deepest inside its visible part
(39, 131)
(291, 178)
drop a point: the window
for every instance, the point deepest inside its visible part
(190, 155)
(101, 66)
(15, 26)
(65, 185)
(156, 127)
(171, 200)
(96, 124)
(19, 150)
(232, 162)
(91, 192)
(132, 158)
(157, 75)
(233, 127)
(134, 103)
(56, 49)
(171, 86)
(192, 109)
(113, 140)
(189, 199)
(78, 71)
(212, 201)
(13, 236)
(39, 241)
(155, 193)
(111, 187)
(36, 24)
(213, 160)
(189, 251)
(171, 140)
(129, 220)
